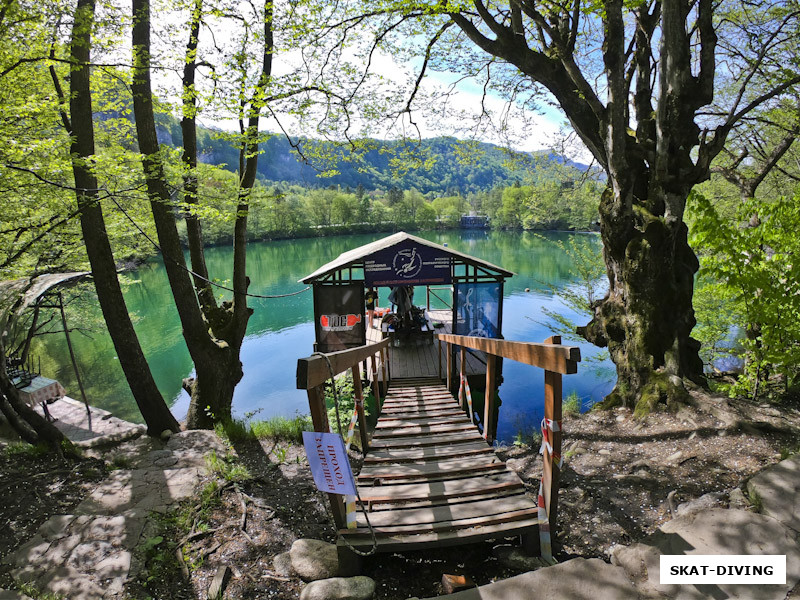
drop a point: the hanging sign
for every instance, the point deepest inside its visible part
(329, 464)
(408, 263)
(477, 309)
(339, 317)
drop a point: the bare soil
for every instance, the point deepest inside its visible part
(621, 479)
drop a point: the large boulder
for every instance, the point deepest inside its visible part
(340, 588)
(314, 559)
(776, 491)
(715, 531)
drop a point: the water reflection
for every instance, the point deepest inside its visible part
(281, 330)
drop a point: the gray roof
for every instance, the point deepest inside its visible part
(352, 256)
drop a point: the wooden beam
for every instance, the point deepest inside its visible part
(359, 401)
(462, 393)
(376, 388)
(552, 357)
(488, 405)
(314, 370)
(550, 470)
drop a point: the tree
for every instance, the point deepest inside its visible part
(80, 126)
(639, 112)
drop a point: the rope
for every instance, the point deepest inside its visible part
(349, 503)
(192, 273)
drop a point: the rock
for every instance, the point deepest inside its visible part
(778, 489)
(340, 588)
(620, 418)
(575, 579)
(282, 564)
(165, 435)
(515, 558)
(712, 531)
(676, 381)
(604, 452)
(10, 595)
(456, 583)
(579, 450)
(314, 559)
(674, 456)
(704, 502)
(737, 500)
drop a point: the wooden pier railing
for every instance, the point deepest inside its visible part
(556, 360)
(315, 370)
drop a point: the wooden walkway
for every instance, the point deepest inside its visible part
(430, 479)
(419, 358)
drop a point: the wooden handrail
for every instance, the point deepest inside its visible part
(551, 357)
(313, 370)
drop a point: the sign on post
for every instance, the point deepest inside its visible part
(330, 467)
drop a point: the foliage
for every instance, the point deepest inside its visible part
(345, 399)
(227, 467)
(752, 261)
(282, 428)
(571, 407)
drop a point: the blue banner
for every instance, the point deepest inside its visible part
(477, 309)
(408, 263)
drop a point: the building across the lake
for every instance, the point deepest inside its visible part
(474, 221)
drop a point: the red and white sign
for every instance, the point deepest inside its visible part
(339, 322)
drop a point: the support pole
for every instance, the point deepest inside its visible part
(384, 368)
(358, 392)
(489, 424)
(462, 400)
(319, 417)
(376, 388)
(72, 358)
(449, 368)
(551, 472)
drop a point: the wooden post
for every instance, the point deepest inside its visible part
(428, 297)
(74, 362)
(488, 404)
(384, 368)
(376, 387)
(358, 392)
(550, 469)
(439, 345)
(462, 395)
(319, 417)
(449, 368)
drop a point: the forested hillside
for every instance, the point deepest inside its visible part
(443, 165)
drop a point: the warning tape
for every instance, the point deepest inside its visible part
(465, 386)
(350, 501)
(549, 427)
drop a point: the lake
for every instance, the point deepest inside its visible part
(281, 330)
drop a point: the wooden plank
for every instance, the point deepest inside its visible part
(414, 542)
(445, 467)
(455, 419)
(423, 413)
(431, 440)
(313, 371)
(403, 455)
(428, 503)
(447, 512)
(524, 514)
(359, 402)
(414, 430)
(553, 357)
(457, 488)
(489, 424)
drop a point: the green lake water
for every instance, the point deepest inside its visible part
(281, 330)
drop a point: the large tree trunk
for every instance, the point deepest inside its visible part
(213, 334)
(647, 317)
(148, 398)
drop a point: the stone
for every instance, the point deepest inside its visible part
(515, 558)
(70, 583)
(282, 564)
(604, 452)
(704, 502)
(314, 559)
(340, 588)
(736, 499)
(165, 435)
(712, 531)
(674, 456)
(620, 418)
(576, 579)
(456, 583)
(778, 491)
(11, 595)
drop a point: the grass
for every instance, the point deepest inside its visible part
(571, 407)
(755, 500)
(227, 467)
(32, 591)
(282, 428)
(26, 449)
